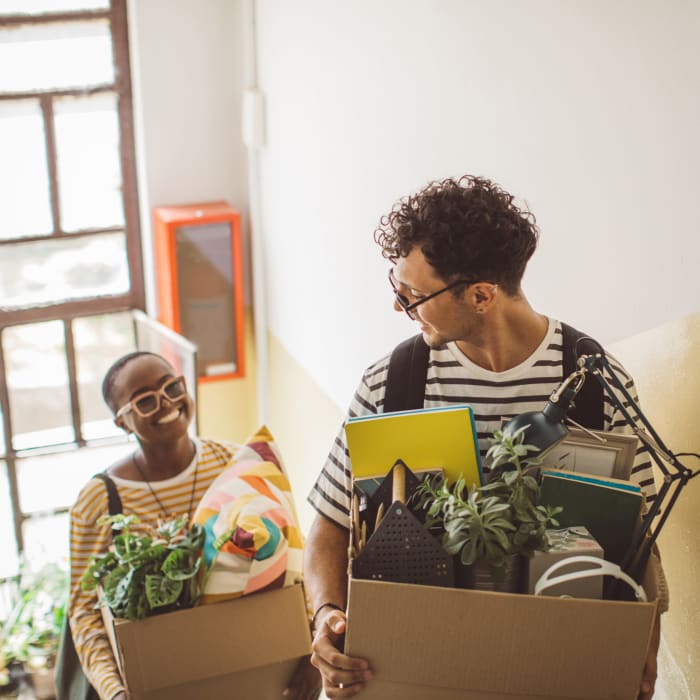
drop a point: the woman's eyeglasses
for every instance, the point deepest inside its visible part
(409, 307)
(149, 402)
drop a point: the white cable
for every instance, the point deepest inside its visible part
(599, 567)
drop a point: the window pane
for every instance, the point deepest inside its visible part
(33, 7)
(37, 382)
(53, 481)
(24, 183)
(9, 561)
(2, 433)
(50, 271)
(66, 55)
(99, 341)
(205, 294)
(46, 540)
(89, 173)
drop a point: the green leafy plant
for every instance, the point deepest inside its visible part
(142, 575)
(32, 630)
(489, 523)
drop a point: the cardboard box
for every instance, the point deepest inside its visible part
(567, 542)
(449, 644)
(239, 649)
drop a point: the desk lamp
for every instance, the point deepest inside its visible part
(547, 427)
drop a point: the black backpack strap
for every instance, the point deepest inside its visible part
(114, 501)
(587, 409)
(405, 380)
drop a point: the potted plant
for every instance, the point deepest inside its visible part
(30, 634)
(492, 527)
(147, 574)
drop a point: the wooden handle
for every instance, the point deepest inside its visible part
(398, 484)
(355, 520)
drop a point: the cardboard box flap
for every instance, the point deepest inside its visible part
(212, 640)
(508, 644)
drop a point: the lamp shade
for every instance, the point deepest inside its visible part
(544, 428)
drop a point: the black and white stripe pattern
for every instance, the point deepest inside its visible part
(494, 397)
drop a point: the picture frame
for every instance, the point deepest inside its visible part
(596, 452)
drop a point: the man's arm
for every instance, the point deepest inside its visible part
(325, 578)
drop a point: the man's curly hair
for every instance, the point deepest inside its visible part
(468, 227)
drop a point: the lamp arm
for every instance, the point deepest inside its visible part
(651, 442)
(578, 376)
(635, 559)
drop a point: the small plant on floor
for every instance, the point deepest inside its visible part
(32, 630)
(489, 523)
(142, 575)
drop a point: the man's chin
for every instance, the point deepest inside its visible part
(432, 340)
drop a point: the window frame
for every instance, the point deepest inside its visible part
(68, 310)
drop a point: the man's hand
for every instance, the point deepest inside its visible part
(343, 676)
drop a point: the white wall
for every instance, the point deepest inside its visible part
(187, 77)
(588, 109)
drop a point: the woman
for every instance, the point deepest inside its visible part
(164, 478)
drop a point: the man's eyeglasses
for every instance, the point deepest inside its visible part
(149, 402)
(409, 307)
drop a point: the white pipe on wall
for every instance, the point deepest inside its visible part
(253, 126)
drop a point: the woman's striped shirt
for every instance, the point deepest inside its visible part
(494, 396)
(87, 538)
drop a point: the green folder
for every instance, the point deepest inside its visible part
(608, 508)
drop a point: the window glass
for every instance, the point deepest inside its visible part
(205, 294)
(54, 480)
(37, 383)
(46, 539)
(59, 56)
(49, 271)
(89, 172)
(9, 561)
(2, 432)
(31, 7)
(24, 180)
(99, 341)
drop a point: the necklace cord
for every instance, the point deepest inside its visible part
(165, 513)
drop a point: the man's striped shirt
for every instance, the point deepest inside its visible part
(494, 397)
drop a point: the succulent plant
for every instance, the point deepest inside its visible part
(489, 523)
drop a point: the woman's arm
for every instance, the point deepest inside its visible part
(89, 635)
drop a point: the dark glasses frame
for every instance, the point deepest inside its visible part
(158, 394)
(409, 307)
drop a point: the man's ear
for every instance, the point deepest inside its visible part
(483, 295)
(119, 422)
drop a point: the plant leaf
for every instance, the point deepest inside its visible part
(160, 590)
(178, 565)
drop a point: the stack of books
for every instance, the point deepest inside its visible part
(608, 508)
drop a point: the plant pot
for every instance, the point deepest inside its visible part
(480, 577)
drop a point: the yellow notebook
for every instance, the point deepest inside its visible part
(426, 438)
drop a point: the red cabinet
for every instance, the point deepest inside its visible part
(199, 275)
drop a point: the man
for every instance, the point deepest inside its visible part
(459, 249)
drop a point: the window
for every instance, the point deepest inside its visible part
(70, 255)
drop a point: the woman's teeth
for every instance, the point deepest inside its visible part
(170, 417)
